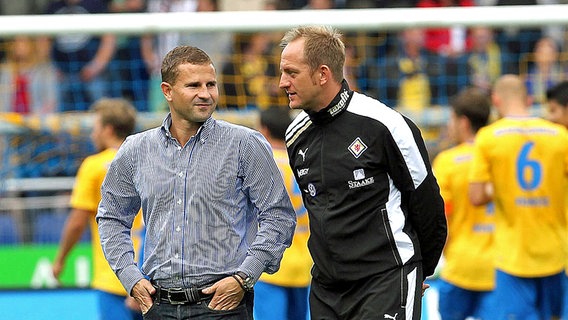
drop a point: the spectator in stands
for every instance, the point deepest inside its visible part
(518, 40)
(407, 77)
(81, 60)
(452, 41)
(28, 87)
(23, 7)
(521, 163)
(543, 69)
(217, 44)
(114, 120)
(284, 295)
(319, 4)
(486, 61)
(249, 78)
(130, 78)
(155, 47)
(468, 272)
(28, 83)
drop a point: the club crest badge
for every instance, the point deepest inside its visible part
(357, 147)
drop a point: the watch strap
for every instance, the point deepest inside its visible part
(247, 282)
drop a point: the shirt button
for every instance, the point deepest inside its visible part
(176, 255)
(178, 229)
(180, 174)
(179, 148)
(179, 201)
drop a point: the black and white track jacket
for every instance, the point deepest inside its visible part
(367, 184)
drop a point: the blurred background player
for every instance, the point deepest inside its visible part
(284, 294)
(468, 274)
(557, 99)
(114, 120)
(525, 160)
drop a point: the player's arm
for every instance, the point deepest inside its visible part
(480, 193)
(276, 216)
(72, 231)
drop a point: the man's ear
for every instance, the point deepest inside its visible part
(166, 90)
(324, 74)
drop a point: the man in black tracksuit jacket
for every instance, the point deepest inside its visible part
(377, 219)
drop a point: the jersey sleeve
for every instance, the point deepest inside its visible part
(480, 164)
(86, 193)
(440, 167)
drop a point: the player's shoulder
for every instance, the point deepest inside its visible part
(372, 108)
(454, 154)
(99, 158)
(298, 125)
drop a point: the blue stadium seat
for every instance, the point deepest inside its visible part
(49, 225)
(9, 231)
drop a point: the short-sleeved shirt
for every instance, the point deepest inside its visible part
(86, 195)
(526, 160)
(469, 248)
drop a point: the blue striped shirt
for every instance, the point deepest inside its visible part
(211, 207)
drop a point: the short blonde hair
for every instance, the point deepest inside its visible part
(118, 113)
(322, 46)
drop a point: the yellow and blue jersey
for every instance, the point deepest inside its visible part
(469, 248)
(86, 195)
(526, 160)
(296, 263)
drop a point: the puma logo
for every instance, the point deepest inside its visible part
(388, 316)
(303, 154)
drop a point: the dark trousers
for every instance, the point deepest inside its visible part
(388, 295)
(199, 310)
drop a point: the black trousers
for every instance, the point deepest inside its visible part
(388, 295)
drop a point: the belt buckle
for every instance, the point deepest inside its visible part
(177, 290)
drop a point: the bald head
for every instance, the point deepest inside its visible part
(510, 95)
(510, 86)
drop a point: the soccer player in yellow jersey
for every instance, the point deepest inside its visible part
(468, 274)
(525, 159)
(114, 120)
(284, 294)
(557, 99)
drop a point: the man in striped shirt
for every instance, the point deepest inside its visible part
(216, 211)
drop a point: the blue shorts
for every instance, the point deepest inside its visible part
(528, 298)
(280, 303)
(112, 307)
(565, 295)
(457, 303)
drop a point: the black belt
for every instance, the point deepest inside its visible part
(179, 295)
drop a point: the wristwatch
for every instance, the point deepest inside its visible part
(248, 281)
